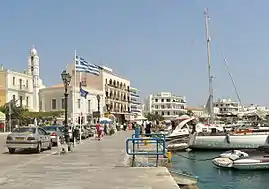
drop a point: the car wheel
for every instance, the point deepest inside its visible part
(38, 149)
(50, 146)
(11, 150)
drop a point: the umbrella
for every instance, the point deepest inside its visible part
(105, 120)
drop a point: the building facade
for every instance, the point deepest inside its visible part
(52, 99)
(115, 97)
(135, 103)
(227, 106)
(166, 104)
(117, 94)
(22, 87)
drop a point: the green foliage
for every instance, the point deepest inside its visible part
(154, 117)
(190, 113)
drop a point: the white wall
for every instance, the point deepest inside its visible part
(47, 94)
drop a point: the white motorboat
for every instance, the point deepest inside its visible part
(244, 159)
(222, 141)
(177, 147)
(181, 130)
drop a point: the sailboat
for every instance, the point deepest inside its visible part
(222, 141)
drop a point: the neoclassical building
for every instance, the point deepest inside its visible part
(22, 87)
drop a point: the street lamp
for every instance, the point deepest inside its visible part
(66, 77)
(98, 106)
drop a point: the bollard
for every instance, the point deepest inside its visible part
(136, 132)
(169, 156)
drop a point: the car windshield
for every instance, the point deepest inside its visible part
(24, 130)
(50, 128)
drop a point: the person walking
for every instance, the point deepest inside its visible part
(148, 130)
(99, 130)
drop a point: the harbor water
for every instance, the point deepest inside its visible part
(212, 177)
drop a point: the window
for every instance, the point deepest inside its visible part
(162, 113)
(40, 105)
(162, 106)
(162, 100)
(53, 104)
(20, 81)
(27, 84)
(63, 103)
(89, 105)
(14, 81)
(14, 97)
(168, 113)
(168, 100)
(27, 101)
(156, 100)
(78, 103)
(20, 101)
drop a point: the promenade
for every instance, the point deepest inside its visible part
(93, 164)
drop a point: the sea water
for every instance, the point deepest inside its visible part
(212, 177)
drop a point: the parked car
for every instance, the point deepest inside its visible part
(84, 132)
(55, 131)
(29, 137)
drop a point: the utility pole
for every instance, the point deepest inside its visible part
(9, 115)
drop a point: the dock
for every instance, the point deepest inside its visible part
(93, 164)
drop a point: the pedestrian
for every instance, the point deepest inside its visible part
(99, 130)
(148, 130)
(124, 126)
(105, 129)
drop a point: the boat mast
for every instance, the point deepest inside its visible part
(210, 77)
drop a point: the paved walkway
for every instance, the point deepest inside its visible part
(94, 164)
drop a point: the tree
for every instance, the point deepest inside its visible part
(154, 117)
(190, 113)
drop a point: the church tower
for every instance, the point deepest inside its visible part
(33, 70)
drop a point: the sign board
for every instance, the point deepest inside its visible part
(96, 114)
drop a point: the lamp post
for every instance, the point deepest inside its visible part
(66, 77)
(98, 106)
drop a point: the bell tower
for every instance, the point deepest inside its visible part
(33, 70)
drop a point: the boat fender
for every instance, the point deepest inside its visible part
(228, 138)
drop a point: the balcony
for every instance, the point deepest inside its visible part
(117, 88)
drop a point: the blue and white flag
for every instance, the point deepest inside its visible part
(82, 92)
(84, 66)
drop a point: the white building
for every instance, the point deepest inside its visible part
(52, 99)
(227, 106)
(117, 94)
(165, 104)
(135, 103)
(22, 87)
(115, 91)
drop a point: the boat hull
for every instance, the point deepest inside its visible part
(229, 142)
(175, 137)
(244, 164)
(177, 147)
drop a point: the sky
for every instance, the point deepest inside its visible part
(160, 45)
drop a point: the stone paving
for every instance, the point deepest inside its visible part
(93, 164)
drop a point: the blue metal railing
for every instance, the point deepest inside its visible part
(158, 139)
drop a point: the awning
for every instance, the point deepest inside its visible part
(2, 116)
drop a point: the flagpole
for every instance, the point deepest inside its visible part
(74, 94)
(80, 126)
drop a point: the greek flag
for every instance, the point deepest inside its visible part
(82, 92)
(84, 66)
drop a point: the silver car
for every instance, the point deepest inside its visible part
(34, 138)
(54, 131)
